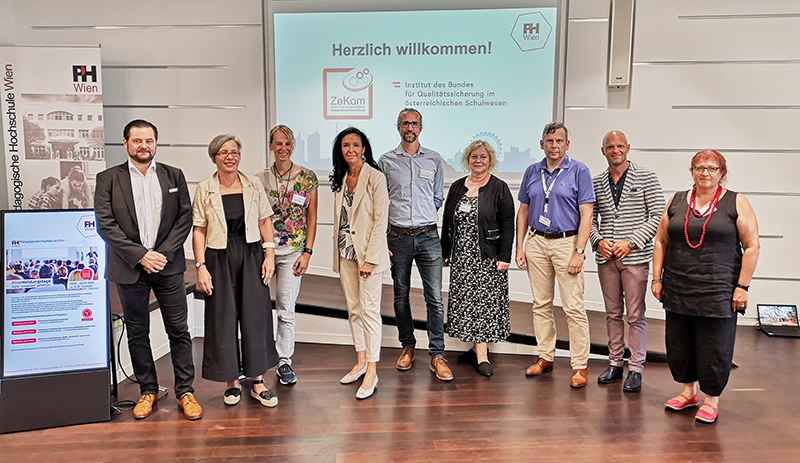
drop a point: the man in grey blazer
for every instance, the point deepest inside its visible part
(144, 214)
(628, 206)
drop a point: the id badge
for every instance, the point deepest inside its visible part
(464, 207)
(544, 221)
(298, 198)
(426, 174)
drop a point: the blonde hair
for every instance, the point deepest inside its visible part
(284, 130)
(472, 147)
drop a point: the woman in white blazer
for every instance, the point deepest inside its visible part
(234, 251)
(361, 255)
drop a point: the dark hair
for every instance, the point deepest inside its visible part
(49, 181)
(552, 127)
(409, 110)
(46, 272)
(340, 167)
(140, 123)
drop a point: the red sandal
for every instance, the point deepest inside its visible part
(676, 404)
(707, 413)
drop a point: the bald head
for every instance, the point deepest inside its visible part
(617, 133)
(615, 149)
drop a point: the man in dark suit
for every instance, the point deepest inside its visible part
(144, 214)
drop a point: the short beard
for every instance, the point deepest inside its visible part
(136, 158)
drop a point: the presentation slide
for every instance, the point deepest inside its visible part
(473, 74)
(55, 313)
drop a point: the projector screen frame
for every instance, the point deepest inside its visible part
(272, 7)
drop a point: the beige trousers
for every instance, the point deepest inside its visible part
(363, 297)
(548, 260)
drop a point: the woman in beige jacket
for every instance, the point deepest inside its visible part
(361, 254)
(234, 251)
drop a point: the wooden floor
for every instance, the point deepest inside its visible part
(414, 417)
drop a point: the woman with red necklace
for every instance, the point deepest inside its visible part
(705, 253)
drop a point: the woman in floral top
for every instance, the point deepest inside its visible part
(292, 191)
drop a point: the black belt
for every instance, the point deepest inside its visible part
(413, 230)
(552, 236)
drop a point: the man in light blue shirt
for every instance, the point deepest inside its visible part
(415, 178)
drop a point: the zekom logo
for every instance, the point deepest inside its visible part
(347, 93)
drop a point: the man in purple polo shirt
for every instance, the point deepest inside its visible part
(553, 225)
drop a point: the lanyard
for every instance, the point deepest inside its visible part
(547, 190)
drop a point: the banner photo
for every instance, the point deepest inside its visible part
(473, 74)
(52, 119)
(55, 311)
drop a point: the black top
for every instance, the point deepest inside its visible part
(495, 219)
(616, 188)
(234, 214)
(700, 282)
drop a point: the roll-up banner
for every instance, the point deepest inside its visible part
(52, 120)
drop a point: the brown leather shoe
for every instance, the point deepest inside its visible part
(439, 366)
(541, 366)
(578, 378)
(144, 408)
(406, 360)
(189, 406)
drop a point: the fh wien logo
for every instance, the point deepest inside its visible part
(83, 73)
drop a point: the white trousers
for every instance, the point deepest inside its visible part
(363, 297)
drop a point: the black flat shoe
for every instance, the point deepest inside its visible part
(469, 357)
(611, 374)
(232, 395)
(485, 368)
(633, 383)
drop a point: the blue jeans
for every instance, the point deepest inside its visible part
(426, 250)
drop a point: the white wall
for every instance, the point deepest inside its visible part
(693, 82)
(193, 68)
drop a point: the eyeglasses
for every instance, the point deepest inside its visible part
(407, 124)
(225, 154)
(700, 169)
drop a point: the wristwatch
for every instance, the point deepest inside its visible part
(580, 251)
(199, 264)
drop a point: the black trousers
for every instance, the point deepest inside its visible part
(700, 349)
(240, 303)
(171, 295)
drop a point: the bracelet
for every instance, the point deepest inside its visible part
(268, 245)
(659, 280)
(308, 251)
(746, 288)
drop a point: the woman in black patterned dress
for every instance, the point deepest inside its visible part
(477, 237)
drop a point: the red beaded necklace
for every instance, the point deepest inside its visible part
(712, 206)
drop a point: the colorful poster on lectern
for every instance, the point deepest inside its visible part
(55, 311)
(52, 120)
